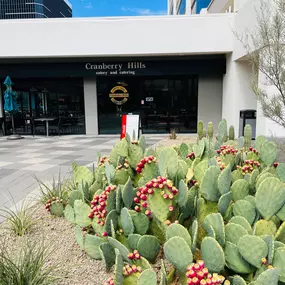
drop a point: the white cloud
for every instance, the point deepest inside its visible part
(141, 11)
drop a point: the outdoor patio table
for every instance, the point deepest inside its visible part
(47, 120)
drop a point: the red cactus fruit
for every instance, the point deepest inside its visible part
(105, 234)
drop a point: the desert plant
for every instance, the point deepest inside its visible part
(18, 218)
(265, 49)
(57, 189)
(28, 264)
(173, 134)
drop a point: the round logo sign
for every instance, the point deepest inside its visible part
(119, 95)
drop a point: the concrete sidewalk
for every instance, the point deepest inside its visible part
(23, 160)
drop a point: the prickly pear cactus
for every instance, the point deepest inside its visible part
(209, 185)
(247, 136)
(270, 202)
(268, 153)
(213, 255)
(149, 247)
(57, 208)
(210, 130)
(178, 253)
(156, 198)
(232, 133)
(200, 129)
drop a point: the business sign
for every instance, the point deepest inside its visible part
(149, 99)
(119, 95)
(127, 68)
(130, 126)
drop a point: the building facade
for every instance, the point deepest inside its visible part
(172, 82)
(22, 9)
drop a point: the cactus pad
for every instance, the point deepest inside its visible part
(217, 223)
(147, 277)
(82, 173)
(123, 250)
(235, 261)
(240, 189)
(270, 276)
(57, 209)
(281, 171)
(213, 255)
(234, 232)
(245, 209)
(253, 249)
(225, 180)
(239, 220)
(74, 195)
(270, 197)
(79, 237)
(260, 140)
(251, 200)
(269, 239)
(168, 162)
(263, 227)
(149, 247)
(194, 234)
(279, 262)
(128, 193)
(107, 253)
(280, 235)
(183, 150)
(208, 188)
(268, 152)
(236, 174)
(262, 176)
(182, 193)
(200, 169)
(224, 203)
(163, 274)
(237, 280)
(111, 217)
(69, 214)
(91, 246)
(133, 240)
(127, 222)
(118, 272)
(140, 221)
(82, 211)
(180, 231)
(178, 253)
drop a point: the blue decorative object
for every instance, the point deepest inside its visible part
(10, 104)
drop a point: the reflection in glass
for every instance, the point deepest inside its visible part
(163, 103)
(61, 99)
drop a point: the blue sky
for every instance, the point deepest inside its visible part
(95, 8)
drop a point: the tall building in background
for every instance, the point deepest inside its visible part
(24, 9)
(179, 7)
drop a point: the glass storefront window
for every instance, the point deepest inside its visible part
(163, 103)
(61, 99)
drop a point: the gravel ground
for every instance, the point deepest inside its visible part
(78, 268)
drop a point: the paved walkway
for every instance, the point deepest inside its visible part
(45, 158)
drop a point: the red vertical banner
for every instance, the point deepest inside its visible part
(124, 126)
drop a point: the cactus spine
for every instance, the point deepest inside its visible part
(247, 136)
(231, 133)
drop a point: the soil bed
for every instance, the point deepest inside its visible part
(59, 233)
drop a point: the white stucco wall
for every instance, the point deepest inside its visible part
(210, 99)
(90, 102)
(79, 37)
(266, 126)
(237, 91)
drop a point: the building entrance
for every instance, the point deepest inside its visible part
(162, 102)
